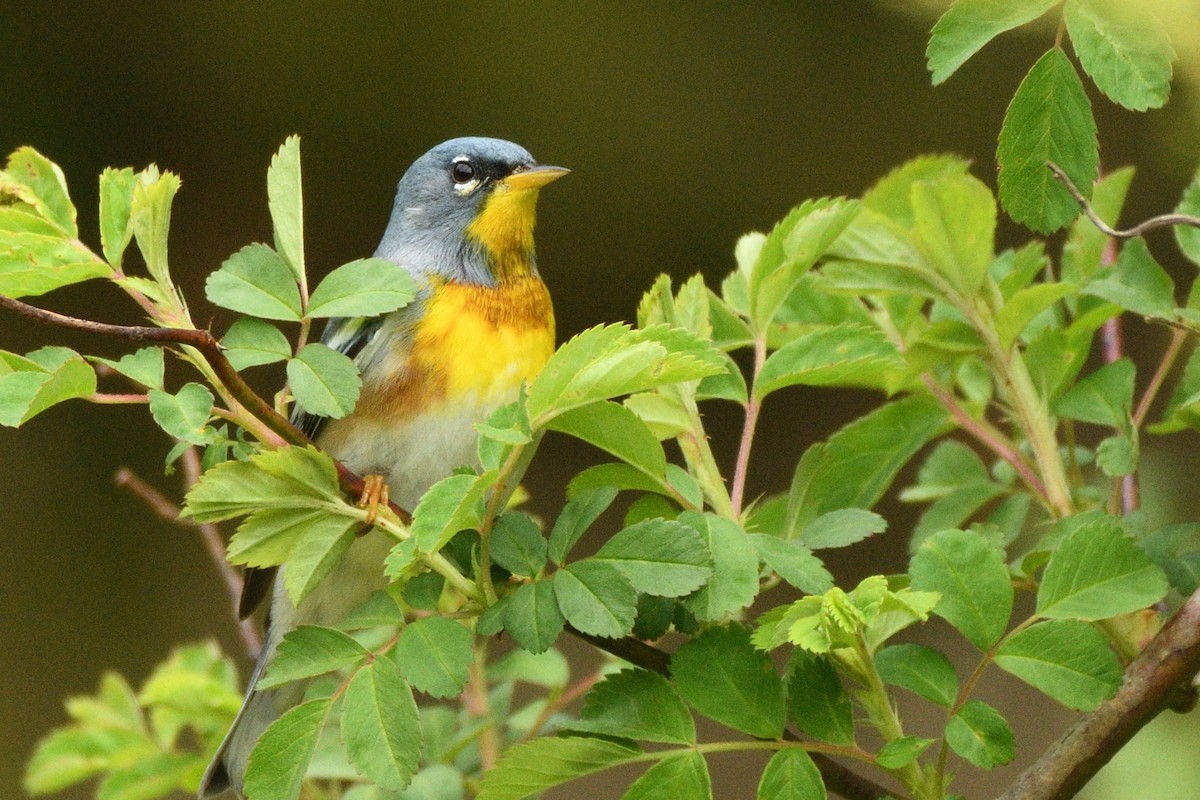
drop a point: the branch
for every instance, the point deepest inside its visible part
(1158, 679)
(1161, 221)
(839, 779)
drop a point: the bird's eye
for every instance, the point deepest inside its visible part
(462, 171)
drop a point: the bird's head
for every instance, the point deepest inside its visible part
(466, 211)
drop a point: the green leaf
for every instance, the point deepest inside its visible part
(545, 762)
(325, 382)
(1097, 572)
(849, 354)
(45, 188)
(315, 554)
(980, 735)
(734, 582)
(148, 778)
(185, 414)
(1117, 456)
(1176, 549)
(377, 610)
(970, 24)
(659, 557)
(794, 562)
(267, 537)
(665, 415)
(575, 518)
(367, 287)
(969, 573)
(435, 654)
(1187, 236)
(1068, 660)
(791, 775)
(840, 528)
(116, 204)
(150, 218)
(144, 366)
(380, 725)
(616, 430)
(256, 281)
(956, 225)
(35, 263)
(683, 776)
(549, 670)
(891, 196)
(922, 670)
(1049, 119)
(636, 704)
(1137, 283)
(251, 342)
(453, 504)
(791, 249)
(517, 544)
(817, 701)
(532, 616)
(309, 651)
(596, 598)
(285, 199)
(1020, 309)
(901, 752)
(280, 759)
(721, 675)
(45, 378)
(285, 478)
(1125, 50)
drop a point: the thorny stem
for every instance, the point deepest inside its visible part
(1161, 221)
(693, 443)
(882, 713)
(752, 408)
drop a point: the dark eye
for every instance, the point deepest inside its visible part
(462, 171)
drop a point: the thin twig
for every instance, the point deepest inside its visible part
(1161, 221)
(753, 405)
(1160, 678)
(1178, 337)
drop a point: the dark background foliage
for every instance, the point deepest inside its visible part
(684, 130)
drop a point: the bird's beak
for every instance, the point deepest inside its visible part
(534, 177)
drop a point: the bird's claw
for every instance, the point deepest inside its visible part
(374, 494)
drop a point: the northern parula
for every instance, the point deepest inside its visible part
(481, 324)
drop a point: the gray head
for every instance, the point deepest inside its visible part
(465, 211)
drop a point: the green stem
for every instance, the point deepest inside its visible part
(435, 561)
(752, 408)
(693, 443)
(886, 720)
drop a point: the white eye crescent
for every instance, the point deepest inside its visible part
(462, 172)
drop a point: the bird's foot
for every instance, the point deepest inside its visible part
(374, 494)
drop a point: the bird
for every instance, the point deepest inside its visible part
(481, 325)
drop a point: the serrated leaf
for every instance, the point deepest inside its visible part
(659, 557)
(1117, 456)
(955, 220)
(324, 381)
(251, 342)
(1068, 660)
(639, 705)
(1187, 236)
(36, 263)
(683, 776)
(1137, 283)
(721, 675)
(451, 505)
(45, 378)
(380, 725)
(256, 281)
(116, 205)
(144, 366)
(279, 760)
(46, 188)
(532, 616)
(517, 544)
(287, 477)
(576, 517)
(435, 654)
(596, 598)
(791, 775)
(616, 430)
(1049, 119)
(150, 218)
(1125, 50)
(545, 762)
(922, 670)
(184, 414)
(1097, 572)
(284, 198)
(794, 562)
(901, 752)
(1020, 309)
(309, 651)
(734, 582)
(969, 573)
(840, 528)
(817, 701)
(980, 735)
(849, 354)
(970, 24)
(367, 287)
(315, 554)
(549, 669)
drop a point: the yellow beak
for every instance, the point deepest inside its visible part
(534, 177)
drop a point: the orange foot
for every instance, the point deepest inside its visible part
(374, 493)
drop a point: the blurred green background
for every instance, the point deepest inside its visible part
(685, 126)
